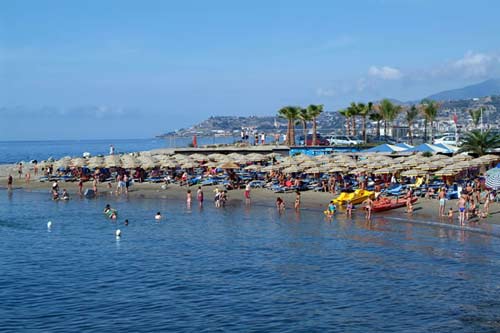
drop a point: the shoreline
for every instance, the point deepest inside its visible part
(425, 211)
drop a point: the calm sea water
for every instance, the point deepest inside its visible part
(16, 151)
(240, 268)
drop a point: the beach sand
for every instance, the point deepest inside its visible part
(425, 210)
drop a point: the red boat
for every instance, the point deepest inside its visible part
(386, 204)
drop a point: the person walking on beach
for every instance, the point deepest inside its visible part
(9, 182)
(27, 177)
(126, 180)
(111, 150)
(442, 201)
(94, 185)
(199, 196)
(20, 170)
(35, 168)
(247, 193)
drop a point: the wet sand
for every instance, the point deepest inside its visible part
(425, 210)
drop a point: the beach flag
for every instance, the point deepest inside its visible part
(455, 118)
(195, 141)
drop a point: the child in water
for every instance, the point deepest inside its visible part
(332, 209)
(450, 214)
(158, 216)
(188, 197)
(349, 209)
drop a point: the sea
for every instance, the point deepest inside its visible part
(25, 151)
(239, 268)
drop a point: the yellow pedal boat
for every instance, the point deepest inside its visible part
(356, 197)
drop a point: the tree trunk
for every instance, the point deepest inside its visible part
(432, 132)
(378, 129)
(353, 125)
(314, 131)
(425, 130)
(304, 126)
(385, 129)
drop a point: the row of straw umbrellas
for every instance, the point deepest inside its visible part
(378, 164)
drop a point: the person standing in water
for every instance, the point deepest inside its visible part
(199, 196)
(368, 207)
(9, 182)
(247, 193)
(188, 198)
(297, 200)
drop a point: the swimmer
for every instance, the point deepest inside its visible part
(65, 195)
(126, 222)
(158, 216)
(188, 198)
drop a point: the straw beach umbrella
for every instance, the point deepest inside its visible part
(229, 165)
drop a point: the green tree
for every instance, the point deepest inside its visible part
(476, 116)
(290, 114)
(303, 116)
(429, 110)
(354, 112)
(479, 143)
(314, 112)
(347, 114)
(411, 115)
(389, 111)
(364, 111)
(376, 116)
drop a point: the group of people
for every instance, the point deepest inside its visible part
(55, 192)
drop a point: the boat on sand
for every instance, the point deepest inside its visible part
(384, 204)
(355, 197)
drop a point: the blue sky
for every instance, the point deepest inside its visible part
(118, 69)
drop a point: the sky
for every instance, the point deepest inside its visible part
(98, 69)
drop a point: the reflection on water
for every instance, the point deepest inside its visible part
(238, 268)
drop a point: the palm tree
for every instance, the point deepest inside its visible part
(476, 116)
(290, 114)
(479, 143)
(364, 111)
(376, 116)
(354, 112)
(389, 112)
(314, 111)
(304, 117)
(429, 109)
(411, 115)
(347, 114)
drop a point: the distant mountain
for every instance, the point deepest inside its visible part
(485, 88)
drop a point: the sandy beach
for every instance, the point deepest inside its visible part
(426, 210)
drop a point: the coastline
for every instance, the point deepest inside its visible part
(425, 211)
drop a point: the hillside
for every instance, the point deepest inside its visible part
(482, 89)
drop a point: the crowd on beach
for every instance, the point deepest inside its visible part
(330, 174)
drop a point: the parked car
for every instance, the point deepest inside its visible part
(320, 140)
(343, 140)
(448, 140)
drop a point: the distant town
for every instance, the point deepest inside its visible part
(455, 116)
